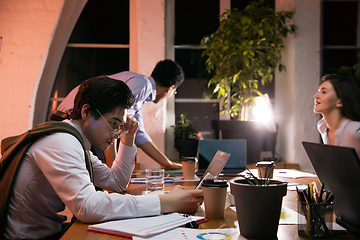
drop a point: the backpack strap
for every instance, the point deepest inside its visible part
(13, 151)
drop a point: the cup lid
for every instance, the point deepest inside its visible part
(265, 164)
(214, 183)
(188, 159)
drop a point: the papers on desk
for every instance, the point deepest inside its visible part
(166, 180)
(143, 227)
(288, 173)
(290, 217)
(196, 234)
(287, 216)
(293, 186)
(143, 180)
(292, 173)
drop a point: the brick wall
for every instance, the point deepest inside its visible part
(26, 27)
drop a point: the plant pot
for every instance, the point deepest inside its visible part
(258, 207)
(187, 148)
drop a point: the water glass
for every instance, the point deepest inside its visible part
(154, 180)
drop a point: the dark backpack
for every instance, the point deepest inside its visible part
(13, 150)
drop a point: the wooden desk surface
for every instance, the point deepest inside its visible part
(285, 232)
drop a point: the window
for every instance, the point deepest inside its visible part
(191, 25)
(99, 45)
(340, 28)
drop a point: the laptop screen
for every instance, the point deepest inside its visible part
(339, 169)
(236, 147)
(216, 165)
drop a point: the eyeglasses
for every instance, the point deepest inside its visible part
(115, 133)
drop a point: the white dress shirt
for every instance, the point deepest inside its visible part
(347, 135)
(53, 174)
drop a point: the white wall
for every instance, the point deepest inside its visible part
(294, 89)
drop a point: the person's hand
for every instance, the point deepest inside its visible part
(180, 200)
(174, 165)
(131, 126)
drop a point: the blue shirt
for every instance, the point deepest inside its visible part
(144, 90)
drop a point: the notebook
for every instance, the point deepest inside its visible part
(144, 226)
(236, 148)
(339, 169)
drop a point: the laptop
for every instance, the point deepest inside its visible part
(215, 167)
(339, 169)
(236, 147)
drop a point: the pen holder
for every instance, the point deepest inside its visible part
(315, 219)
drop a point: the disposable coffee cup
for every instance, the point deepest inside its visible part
(265, 169)
(214, 192)
(154, 180)
(188, 167)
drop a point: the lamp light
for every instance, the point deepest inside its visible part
(263, 112)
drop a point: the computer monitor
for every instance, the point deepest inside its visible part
(339, 169)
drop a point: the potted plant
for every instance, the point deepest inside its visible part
(244, 52)
(258, 205)
(186, 142)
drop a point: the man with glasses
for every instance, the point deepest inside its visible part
(165, 78)
(58, 169)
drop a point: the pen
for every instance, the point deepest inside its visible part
(321, 192)
(311, 197)
(308, 214)
(326, 196)
(316, 200)
(300, 200)
(330, 197)
(306, 196)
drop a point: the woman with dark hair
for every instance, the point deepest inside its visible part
(338, 101)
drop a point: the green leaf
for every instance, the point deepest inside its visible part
(246, 62)
(261, 33)
(246, 50)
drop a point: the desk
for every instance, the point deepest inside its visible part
(285, 232)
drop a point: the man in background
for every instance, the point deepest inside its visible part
(165, 78)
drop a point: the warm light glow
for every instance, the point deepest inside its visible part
(263, 112)
(54, 103)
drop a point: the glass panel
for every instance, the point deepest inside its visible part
(191, 88)
(79, 64)
(241, 4)
(201, 114)
(194, 20)
(340, 22)
(105, 21)
(335, 58)
(191, 62)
